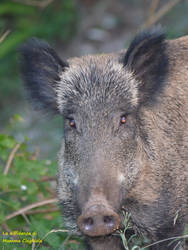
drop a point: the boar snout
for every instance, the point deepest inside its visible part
(98, 220)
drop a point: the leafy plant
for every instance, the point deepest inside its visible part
(130, 239)
(28, 200)
(53, 22)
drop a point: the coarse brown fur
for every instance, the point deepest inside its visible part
(141, 165)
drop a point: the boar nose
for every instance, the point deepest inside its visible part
(98, 220)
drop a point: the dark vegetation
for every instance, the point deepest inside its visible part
(54, 22)
(27, 177)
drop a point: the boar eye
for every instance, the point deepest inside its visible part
(123, 119)
(72, 123)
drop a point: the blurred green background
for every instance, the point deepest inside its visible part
(73, 28)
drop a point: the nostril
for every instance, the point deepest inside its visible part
(98, 220)
(109, 220)
(88, 223)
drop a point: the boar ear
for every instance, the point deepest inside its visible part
(41, 69)
(146, 58)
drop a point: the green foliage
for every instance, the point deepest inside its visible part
(130, 239)
(57, 21)
(22, 185)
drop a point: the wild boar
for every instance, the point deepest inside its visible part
(125, 135)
